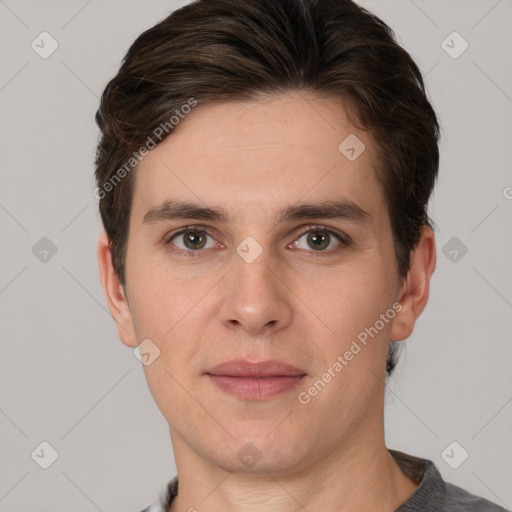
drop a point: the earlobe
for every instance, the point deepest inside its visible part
(117, 302)
(414, 291)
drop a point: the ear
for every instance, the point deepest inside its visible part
(413, 294)
(114, 293)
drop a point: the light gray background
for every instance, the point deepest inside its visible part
(65, 377)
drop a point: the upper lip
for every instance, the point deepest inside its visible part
(243, 368)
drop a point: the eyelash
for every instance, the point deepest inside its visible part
(343, 239)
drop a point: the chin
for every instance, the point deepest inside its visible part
(262, 454)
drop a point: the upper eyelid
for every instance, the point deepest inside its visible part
(320, 227)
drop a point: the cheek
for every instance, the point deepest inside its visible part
(162, 295)
(174, 396)
(351, 304)
(350, 300)
(169, 312)
(173, 312)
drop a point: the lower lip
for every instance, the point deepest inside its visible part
(251, 388)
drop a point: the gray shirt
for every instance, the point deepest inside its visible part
(433, 494)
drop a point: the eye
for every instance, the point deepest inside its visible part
(319, 238)
(191, 240)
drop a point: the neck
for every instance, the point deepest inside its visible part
(359, 475)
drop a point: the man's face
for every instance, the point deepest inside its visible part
(256, 287)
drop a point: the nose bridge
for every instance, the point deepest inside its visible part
(255, 298)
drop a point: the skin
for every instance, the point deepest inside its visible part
(254, 158)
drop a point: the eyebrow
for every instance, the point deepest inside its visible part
(334, 209)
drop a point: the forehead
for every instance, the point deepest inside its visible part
(261, 156)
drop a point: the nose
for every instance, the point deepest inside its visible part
(255, 296)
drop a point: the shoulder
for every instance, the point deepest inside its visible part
(165, 498)
(458, 499)
(433, 493)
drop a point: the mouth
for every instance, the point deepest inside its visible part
(255, 381)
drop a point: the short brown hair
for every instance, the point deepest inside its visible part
(215, 50)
